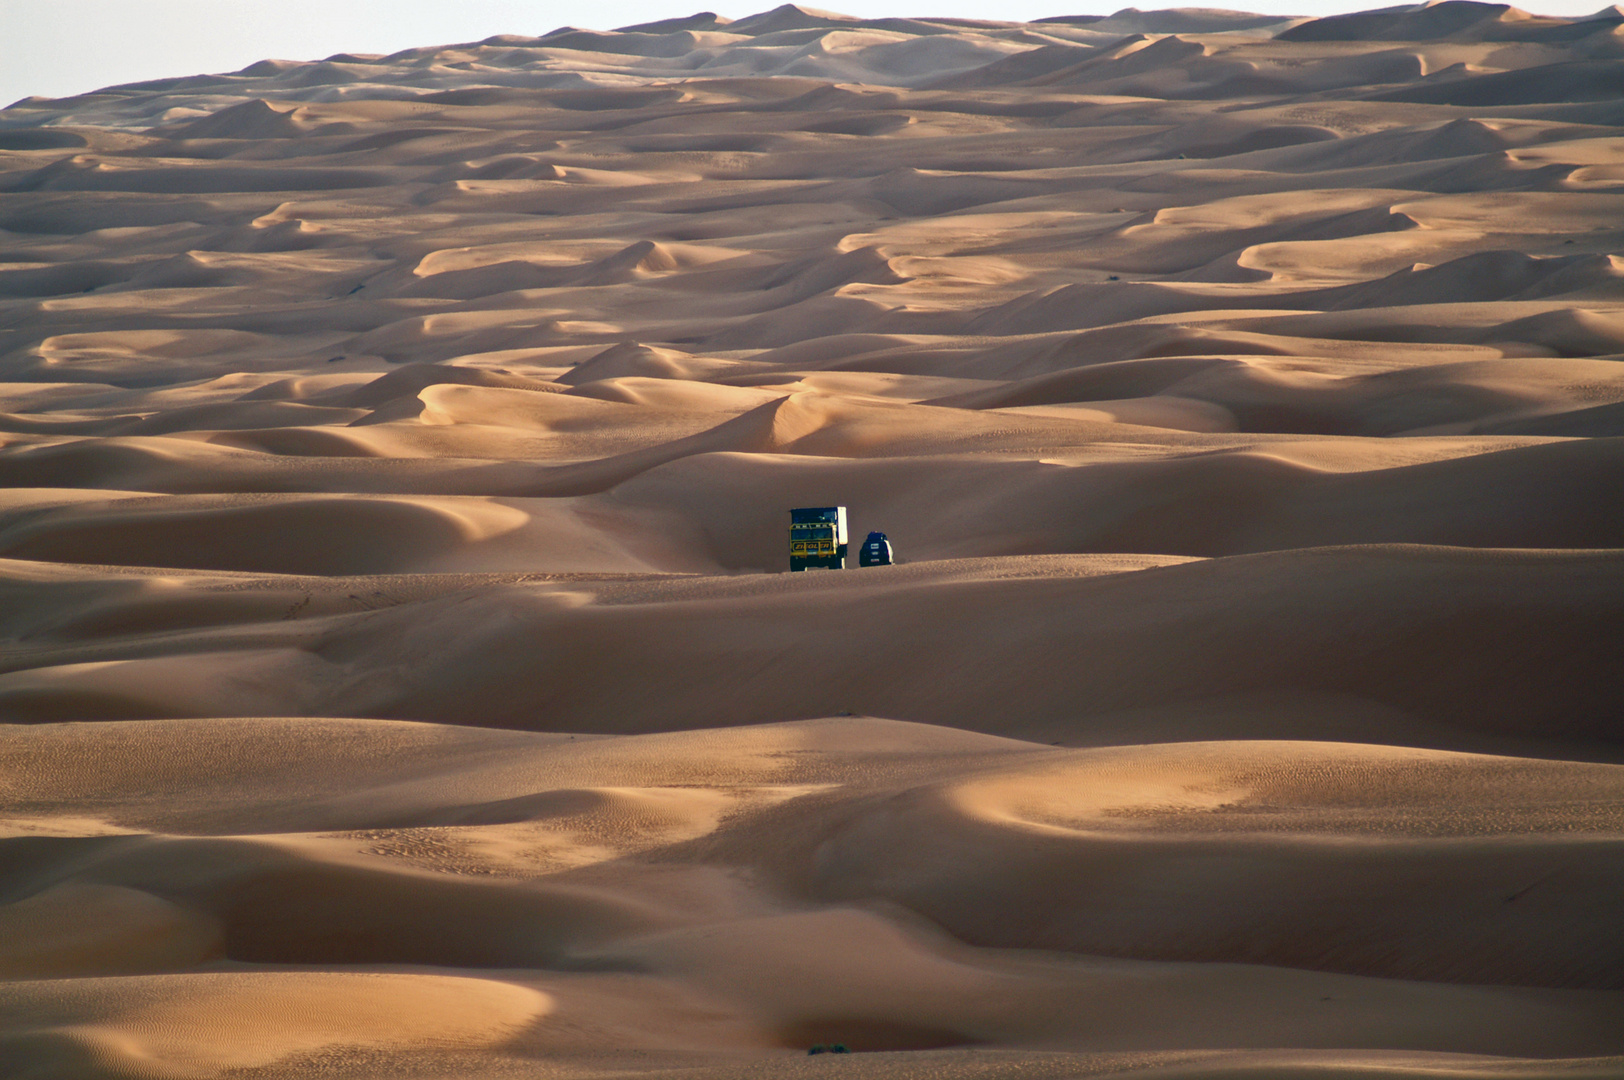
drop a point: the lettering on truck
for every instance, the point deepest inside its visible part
(817, 538)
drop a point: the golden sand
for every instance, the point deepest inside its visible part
(399, 669)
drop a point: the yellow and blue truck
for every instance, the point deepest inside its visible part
(817, 538)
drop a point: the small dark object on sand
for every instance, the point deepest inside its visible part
(836, 1048)
(876, 551)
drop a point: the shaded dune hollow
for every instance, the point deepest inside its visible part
(401, 674)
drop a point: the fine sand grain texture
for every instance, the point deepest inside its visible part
(400, 676)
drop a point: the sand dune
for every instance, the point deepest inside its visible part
(199, 1024)
(885, 982)
(398, 672)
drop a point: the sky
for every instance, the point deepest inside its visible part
(57, 48)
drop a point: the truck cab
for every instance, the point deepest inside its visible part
(817, 538)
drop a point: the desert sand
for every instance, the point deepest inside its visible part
(401, 675)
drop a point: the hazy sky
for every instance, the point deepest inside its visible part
(63, 47)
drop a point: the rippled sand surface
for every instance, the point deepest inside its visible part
(400, 669)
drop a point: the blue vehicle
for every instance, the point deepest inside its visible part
(817, 538)
(876, 551)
